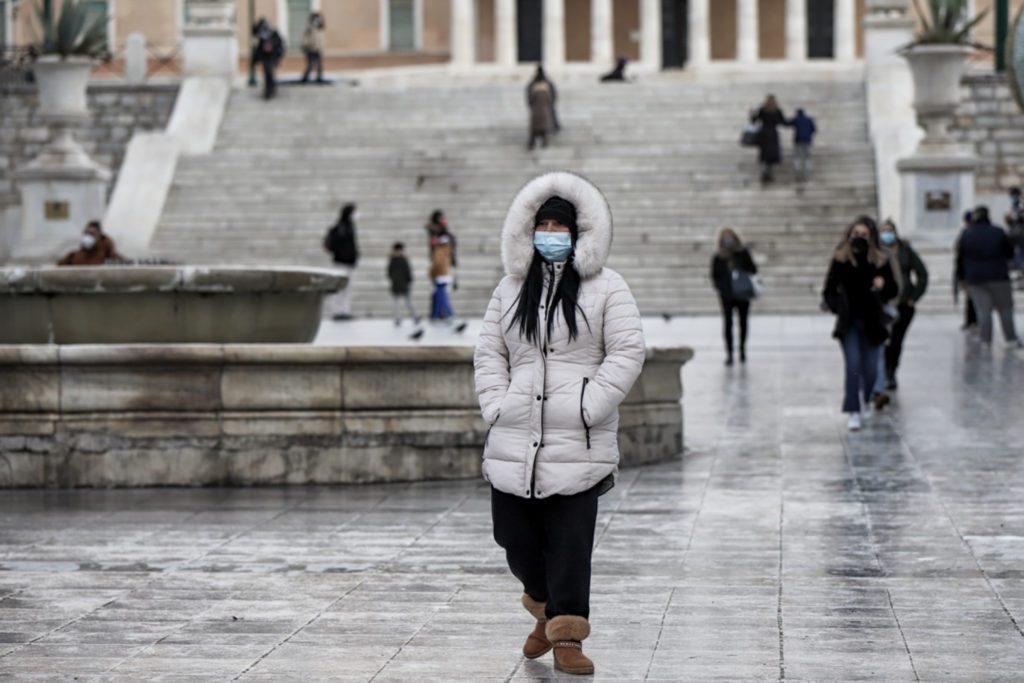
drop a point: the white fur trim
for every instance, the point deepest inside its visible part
(593, 217)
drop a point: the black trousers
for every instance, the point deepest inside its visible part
(895, 347)
(314, 60)
(549, 543)
(269, 83)
(743, 309)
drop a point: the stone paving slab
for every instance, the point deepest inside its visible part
(780, 548)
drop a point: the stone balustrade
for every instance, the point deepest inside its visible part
(155, 415)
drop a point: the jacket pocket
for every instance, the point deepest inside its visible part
(583, 418)
(490, 428)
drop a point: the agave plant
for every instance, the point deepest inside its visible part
(946, 23)
(81, 30)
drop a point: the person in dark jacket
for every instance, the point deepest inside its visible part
(341, 243)
(970, 315)
(803, 137)
(400, 275)
(859, 279)
(913, 284)
(542, 121)
(95, 248)
(541, 76)
(268, 52)
(732, 258)
(770, 117)
(618, 74)
(986, 250)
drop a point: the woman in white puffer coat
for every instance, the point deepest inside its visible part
(561, 346)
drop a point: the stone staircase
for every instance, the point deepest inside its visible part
(664, 151)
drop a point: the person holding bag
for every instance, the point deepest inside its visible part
(859, 280)
(732, 272)
(560, 347)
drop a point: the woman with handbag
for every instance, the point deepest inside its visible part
(560, 347)
(732, 272)
(859, 280)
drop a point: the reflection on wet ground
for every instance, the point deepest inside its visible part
(780, 547)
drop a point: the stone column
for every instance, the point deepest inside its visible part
(796, 30)
(602, 44)
(845, 31)
(699, 39)
(554, 33)
(463, 35)
(747, 48)
(650, 34)
(506, 52)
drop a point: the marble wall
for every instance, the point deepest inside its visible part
(100, 416)
(990, 120)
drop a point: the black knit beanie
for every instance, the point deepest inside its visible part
(557, 209)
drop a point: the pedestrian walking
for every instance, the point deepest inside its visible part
(443, 260)
(913, 283)
(341, 243)
(970, 315)
(732, 271)
(400, 276)
(804, 130)
(313, 47)
(95, 248)
(561, 345)
(986, 251)
(268, 52)
(618, 74)
(770, 117)
(541, 98)
(859, 279)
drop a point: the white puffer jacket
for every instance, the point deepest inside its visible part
(553, 406)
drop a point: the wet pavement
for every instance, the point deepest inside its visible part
(780, 547)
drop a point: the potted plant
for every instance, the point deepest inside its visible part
(937, 57)
(67, 51)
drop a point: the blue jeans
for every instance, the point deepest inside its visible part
(442, 309)
(861, 357)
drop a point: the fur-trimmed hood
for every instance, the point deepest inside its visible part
(593, 218)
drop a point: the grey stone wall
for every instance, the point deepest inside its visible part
(990, 120)
(117, 112)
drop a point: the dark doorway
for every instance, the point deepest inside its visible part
(530, 25)
(820, 26)
(674, 33)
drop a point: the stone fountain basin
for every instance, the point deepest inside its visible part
(162, 304)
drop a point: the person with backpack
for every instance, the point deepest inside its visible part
(341, 243)
(859, 279)
(313, 47)
(804, 130)
(268, 52)
(732, 271)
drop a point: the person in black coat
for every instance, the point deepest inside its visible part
(859, 279)
(400, 275)
(985, 251)
(541, 76)
(730, 258)
(341, 243)
(268, 51)
(770, 117)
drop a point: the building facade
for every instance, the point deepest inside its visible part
(657, 33)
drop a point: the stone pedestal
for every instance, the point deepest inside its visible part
(211, 45)
(936, 190)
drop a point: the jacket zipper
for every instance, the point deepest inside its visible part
(544, 351)
(586, 427)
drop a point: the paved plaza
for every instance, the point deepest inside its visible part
(779, 547)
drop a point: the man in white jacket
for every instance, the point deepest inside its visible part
(560, 347)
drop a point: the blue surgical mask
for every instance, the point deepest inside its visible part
(553, 246)
(888, 238)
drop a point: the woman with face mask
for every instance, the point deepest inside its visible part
(912, 278)
(95, 248)
(859, 279)
(732, 258)
(560, 347)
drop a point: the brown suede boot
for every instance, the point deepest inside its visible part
(567, 634)
(537, 643)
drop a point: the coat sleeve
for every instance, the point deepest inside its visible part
(490, 361)
(830, 293)
(891, 288)
(625, 352)
(751, 267)
(920, 273)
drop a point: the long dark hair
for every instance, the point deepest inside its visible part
(529, 299)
